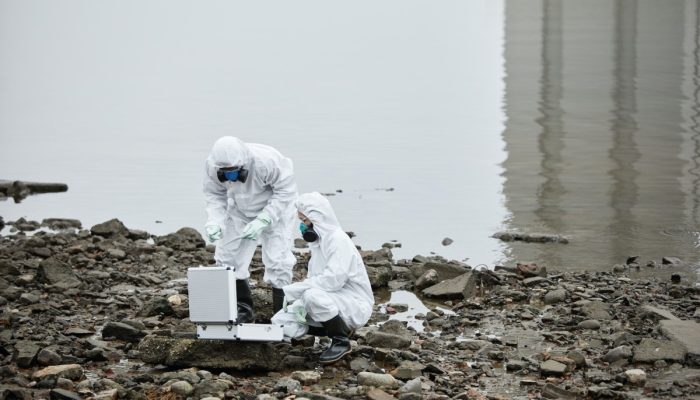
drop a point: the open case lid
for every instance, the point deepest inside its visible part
(212, 294)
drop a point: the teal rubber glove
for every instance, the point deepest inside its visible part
(255, 227)
(213, 232)
(300, 314)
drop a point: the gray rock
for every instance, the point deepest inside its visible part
(25, 353)
(578, 357)
(306, 377)
(535, 280)
(531, 270)
(651, 350)
(550, 391)
(57, 273)
(61, 223)
(122, 331)
(618, 353)
(447, 241)
(412, 386)
(377, 380)
(429, 278)
(155, 307)
(48, 357)
(63, 394)
(636, 376)
(408, 370)
(111, 228)
(67, 371)
(687, 334)
(671, 261)
(7, 268)
(379, 276)
(388, 340)
(185, 239)
(15, 393)
(28, 298)
(445, 270)
(657, 313)
(182, 388)
(215, 388)
(463, 286)
(555, 296)
(241, 356)
(590, 324)
(596, 310)
(552, 368)
(286, 385)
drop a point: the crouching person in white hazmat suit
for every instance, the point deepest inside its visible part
(250, 192)
(336, 297)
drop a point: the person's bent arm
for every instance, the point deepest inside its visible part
(284, 189)
(216, 200)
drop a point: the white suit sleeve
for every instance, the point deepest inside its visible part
(332, 279)
(216, 199)
(280, 178)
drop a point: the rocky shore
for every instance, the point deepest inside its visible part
(103, 313)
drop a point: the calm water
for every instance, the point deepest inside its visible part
(562, 117)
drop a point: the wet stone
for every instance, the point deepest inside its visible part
(67, 371)
(182, 388)
(618, 353)
(63, 394)
(48, 357)
(650, 350)
(287, 386)
(306, 377)
(429, 278)
(25, 353)
(552, 368)
(122, 331)
(636, 376)
(408, 370)
(555, 296)
(589, 324)
(377, 380)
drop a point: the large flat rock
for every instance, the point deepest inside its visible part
(240, 356)
(687, 333)
(462, 286)
(651, 350)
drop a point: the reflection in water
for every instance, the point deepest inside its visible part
(624, 152)
(550, 141)
(693, 88)
(603, 130)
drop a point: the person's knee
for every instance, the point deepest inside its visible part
(316, 299)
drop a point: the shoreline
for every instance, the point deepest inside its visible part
(78, 302)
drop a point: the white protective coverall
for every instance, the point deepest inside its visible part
(270, 188)
(337, 281)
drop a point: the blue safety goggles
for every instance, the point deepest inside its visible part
(232, 174)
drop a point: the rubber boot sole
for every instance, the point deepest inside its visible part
(336, 359)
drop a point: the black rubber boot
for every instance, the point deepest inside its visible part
(277, 300)
(317, 331)
(340, 341)
(246, 315)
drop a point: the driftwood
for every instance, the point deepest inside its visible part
(20, 189)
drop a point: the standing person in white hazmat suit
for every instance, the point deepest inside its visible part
(337, 292)
(250, 192)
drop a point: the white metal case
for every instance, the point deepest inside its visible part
(212, 294)
(213, 308)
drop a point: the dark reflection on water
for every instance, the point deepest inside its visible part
(603, 130)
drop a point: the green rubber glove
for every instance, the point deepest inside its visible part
(213, 232)
(255, 227)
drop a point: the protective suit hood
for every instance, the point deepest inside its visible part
(319, 211)
(229, 151)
